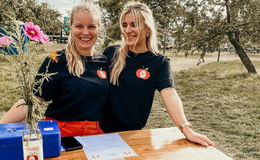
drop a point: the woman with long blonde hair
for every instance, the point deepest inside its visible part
(79, 88)
(138, 70)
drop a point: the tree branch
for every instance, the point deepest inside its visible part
(212, 37)
(228, 11)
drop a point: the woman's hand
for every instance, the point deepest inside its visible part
(196, 137)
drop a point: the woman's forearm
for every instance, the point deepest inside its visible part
(174, 106)
(17, 113)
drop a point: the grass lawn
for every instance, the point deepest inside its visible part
(8, 90)
(220, 99)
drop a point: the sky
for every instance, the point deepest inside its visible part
(61, 5)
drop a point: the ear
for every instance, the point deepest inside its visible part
(148, 32)
(148, 29)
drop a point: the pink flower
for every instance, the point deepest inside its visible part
(5, 41)
(44, 38)
(32, 31)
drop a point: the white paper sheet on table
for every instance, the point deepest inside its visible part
(104, 147)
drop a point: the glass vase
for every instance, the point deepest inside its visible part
(32, 143)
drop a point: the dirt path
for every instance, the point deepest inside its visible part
(182, 63)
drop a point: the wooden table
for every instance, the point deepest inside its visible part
(158, 144)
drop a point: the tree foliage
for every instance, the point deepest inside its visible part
(29, 10)
(225, 21)
(168, 14)
(199, 24)
(160, 8)
(111, 14)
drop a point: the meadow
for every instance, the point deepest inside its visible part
(220, 99)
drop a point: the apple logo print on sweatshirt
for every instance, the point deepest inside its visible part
(102, 74)
(143, 73)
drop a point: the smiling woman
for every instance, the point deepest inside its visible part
(137, 71)
(135, 33)
(78, 89)
(85, 28)
(85, 32)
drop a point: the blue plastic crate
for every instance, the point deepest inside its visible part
(11, 140)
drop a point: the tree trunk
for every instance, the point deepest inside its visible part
(242, 54)
(234, 39)
(164, 44)
(218, 54)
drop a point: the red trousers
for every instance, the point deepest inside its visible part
(78, 128)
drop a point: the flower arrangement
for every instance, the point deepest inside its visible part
(20, 47)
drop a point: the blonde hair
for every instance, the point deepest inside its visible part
(140, 12)
(74, 61)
